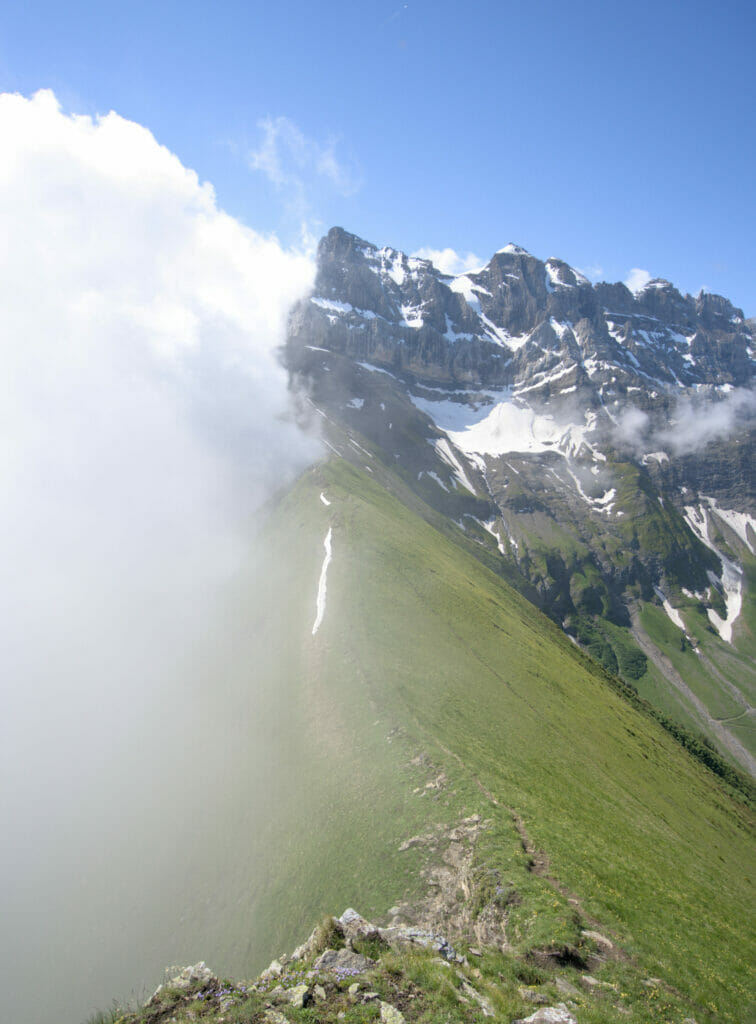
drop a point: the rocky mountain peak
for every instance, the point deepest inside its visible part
(512, 249)
(518, 321)
(717, 312)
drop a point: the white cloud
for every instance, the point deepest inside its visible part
(695, 421)
(143, 418)
(120, 271)
(631, 428)
(637, 279)
(448, 261)
(595, 272)
(299, 165)
(698, 421)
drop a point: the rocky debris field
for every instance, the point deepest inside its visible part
(352, 970)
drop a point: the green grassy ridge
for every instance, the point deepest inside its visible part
(557, 571)
(470, 666)
(612, 645)
(581, 569)
(343, 794)
(424, 649)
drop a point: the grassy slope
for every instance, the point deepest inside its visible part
(421, 637)
(725, 694)
(727, 668)
(545, 549)
(551, 555)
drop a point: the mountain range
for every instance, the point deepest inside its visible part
(600, 443)
(493, 676)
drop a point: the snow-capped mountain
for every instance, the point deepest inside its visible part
(521, 322)
(598, 443)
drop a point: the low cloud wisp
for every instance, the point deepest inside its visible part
(637, 279)
(695, 422)
(449, 261)
(144, 420)
(300, 167)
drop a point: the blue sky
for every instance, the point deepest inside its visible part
(146, 417)
(615, 135)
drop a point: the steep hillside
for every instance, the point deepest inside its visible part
(439, 753)
(600, 444)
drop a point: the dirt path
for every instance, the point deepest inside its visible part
(665, 666)
(736, 718)
(539, 861)
(731, 688)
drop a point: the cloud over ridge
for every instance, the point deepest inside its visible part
(144, 417)
(128, 293)
(449, 261)
(696, 420)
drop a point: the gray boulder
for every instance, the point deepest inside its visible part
(355, 926)
(191, 975)
(343, 962)
(412, 936)
(299, 996)
(274, 970)
(390, 1014)
(566, 988)
(549, 1015)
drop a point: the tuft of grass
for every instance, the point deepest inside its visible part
(371, 946)
(328, 935)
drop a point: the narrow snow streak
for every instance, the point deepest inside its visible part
(321, 600)
(324, 499)
(733, 597)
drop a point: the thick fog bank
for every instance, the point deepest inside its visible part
(144, 419)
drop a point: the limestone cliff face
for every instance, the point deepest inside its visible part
(601, 441)
(519, 321)
(543, 331)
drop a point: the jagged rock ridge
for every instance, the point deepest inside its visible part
(519, 319)
(600, 441)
